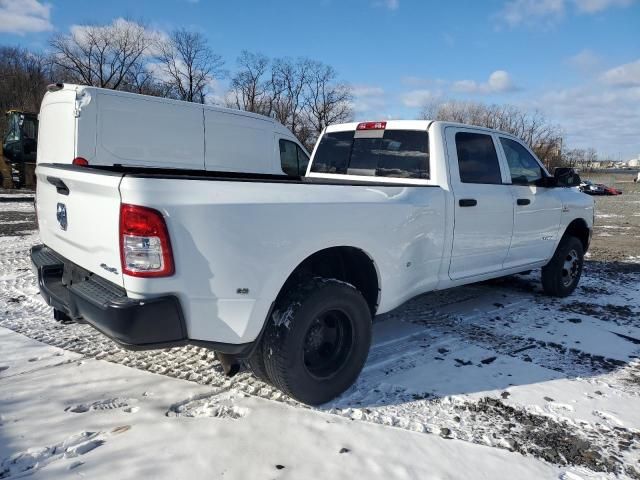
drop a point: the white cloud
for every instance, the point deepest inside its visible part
(119, 24)
(421, 82)
(516, 12)
(585, 60)
(366, 91)
(627, 75)
(499, 82)
(418, 98)
(24, 16)
(368, 99)
(388, 4)
(606, 119)
(545, 13)
(595, 6)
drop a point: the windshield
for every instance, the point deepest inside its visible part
(394, 153)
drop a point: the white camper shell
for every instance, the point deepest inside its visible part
(108, 127)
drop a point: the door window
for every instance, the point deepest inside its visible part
(13, 133)
(293, 160)
(524, 168)
(477, 158)
(303, 161)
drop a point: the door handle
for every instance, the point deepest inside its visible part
(61, 187)
(523, 201)
(467, 202)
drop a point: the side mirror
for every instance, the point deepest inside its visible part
(566, 177)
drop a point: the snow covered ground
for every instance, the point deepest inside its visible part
(65, 415)
(493, 380)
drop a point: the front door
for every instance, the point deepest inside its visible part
(537, 208)
(483, 209)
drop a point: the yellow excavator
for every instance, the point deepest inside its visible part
(19, 147)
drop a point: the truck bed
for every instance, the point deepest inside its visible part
(244, 233)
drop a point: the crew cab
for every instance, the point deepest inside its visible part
(285, 273)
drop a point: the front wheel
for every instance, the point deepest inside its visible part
(561, 275)
(317, 340)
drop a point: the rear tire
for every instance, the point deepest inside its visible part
(255, 363)
(561, 275)
(317, 340)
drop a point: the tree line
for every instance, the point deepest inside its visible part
(303, 94)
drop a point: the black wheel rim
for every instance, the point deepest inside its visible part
(327, 344)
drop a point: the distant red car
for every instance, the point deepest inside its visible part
(610, 190)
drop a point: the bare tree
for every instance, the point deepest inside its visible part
(143, 80)
(574, 157)
(290, 80)
(326, 101)
(590, 158)
(189, 65)
(100, 55)
(544, 137)
(250, 90)
(23, 78)
(302, 94)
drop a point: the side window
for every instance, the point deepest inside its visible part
(13, 132)
(289, 157)
(29, 129)
(477, 158)
(303, 161)
(525, 170)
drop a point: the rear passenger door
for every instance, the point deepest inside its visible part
(483, 209)
(537, 208)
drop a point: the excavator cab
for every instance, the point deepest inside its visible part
(19, 146)
(20, 142)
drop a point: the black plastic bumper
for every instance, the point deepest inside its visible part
(134, 324)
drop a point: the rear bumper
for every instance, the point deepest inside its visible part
(135, 324)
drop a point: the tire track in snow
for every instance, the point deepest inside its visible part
(451, 417)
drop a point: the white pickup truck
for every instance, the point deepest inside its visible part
(285, 273)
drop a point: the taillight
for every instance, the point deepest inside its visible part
(145, 249)
(82, 162)
(372, 126)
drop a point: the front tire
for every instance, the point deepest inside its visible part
(317, 340)
(561, 275)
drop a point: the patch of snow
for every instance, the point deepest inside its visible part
(497, 364)
(265, 438)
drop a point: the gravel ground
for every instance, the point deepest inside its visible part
(496, 363)
(616, 233)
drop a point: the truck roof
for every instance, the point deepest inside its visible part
(119, 93)
(390, 125)
(410, 125)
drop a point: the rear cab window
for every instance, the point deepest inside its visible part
(399, 154)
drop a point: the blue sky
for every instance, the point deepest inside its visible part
(578, 61)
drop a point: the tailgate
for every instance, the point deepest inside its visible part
(78, 216)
